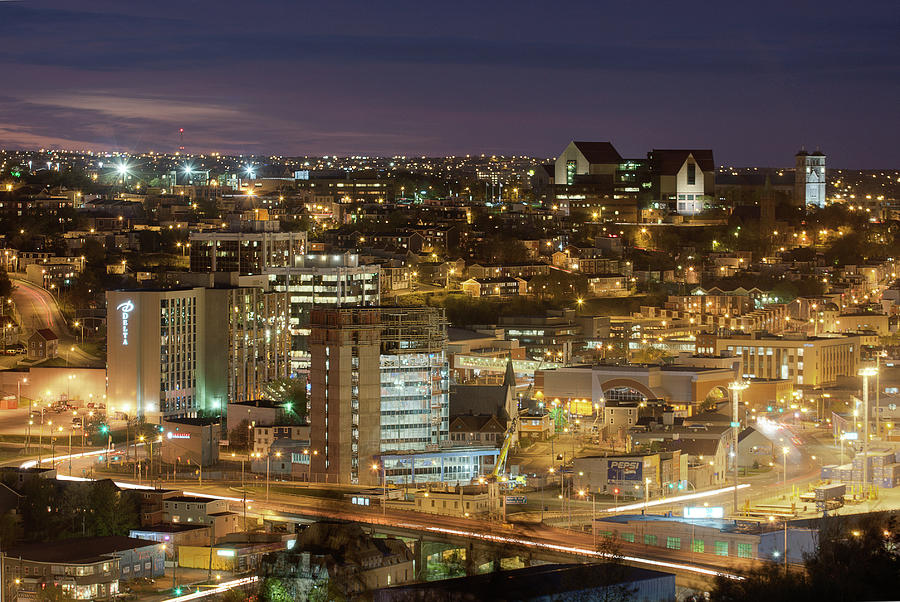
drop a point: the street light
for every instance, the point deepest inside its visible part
(383, 485)
(736, 388)
(866, 373)
(784, 453)
(646, 494)
(582, 494)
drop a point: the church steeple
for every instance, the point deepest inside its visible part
(509, 379)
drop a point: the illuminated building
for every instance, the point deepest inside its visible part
(173, 353)
(809, 179)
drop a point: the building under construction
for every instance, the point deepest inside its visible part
(379, 382)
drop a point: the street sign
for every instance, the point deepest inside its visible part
(735, 424)
(516, 499)
(849, 436)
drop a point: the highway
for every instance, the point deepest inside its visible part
(538, 540)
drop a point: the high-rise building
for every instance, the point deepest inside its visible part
(167, 352)
(323, 281)
(245, 252)
(379, 383)
(809, 179)
(345, 394)
(259, 341)
(178, 352)
(415, 379)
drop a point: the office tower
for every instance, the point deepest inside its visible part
(259, 341)
(245, 252)
(322, 281)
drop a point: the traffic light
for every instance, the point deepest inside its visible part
(178, 591)
(616, 491)
(104, 429)
(769, 408)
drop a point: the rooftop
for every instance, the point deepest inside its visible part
(83, 550)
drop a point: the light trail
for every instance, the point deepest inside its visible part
(212, 496)
(582, 551)
(33, 463)
(219, 589)
(678, 498)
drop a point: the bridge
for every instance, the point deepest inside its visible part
(483, 542)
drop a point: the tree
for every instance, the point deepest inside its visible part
(9, 529)
(239, 437)
(326, 590)
(6, 287)
(612, 574)
(274, 590)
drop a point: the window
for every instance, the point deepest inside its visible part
(673, 543)
(650, 540)
(745, 550)
(721, 548)
(691, 174)
(571, 168)
(697, 545)
(628, 537)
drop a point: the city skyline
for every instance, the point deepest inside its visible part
(355, 79)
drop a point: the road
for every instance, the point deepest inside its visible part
(38, 308)
(539, 540)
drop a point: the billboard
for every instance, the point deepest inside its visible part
(624, 470)
(704, 512)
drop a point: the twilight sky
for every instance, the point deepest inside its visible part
(752, 80)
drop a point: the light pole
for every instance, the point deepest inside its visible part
(137, 470)
(646, 494)
(736, 388)
(243, 490)
(582, 494)
(383, 485)
(784, 454)
(866, 373)
(19, 403)
(772, 520)
(878, 394)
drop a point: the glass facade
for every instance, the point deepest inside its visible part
(415, 407)
(322, 287)
(177, 356)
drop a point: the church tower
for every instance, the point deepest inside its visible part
(809, 179)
